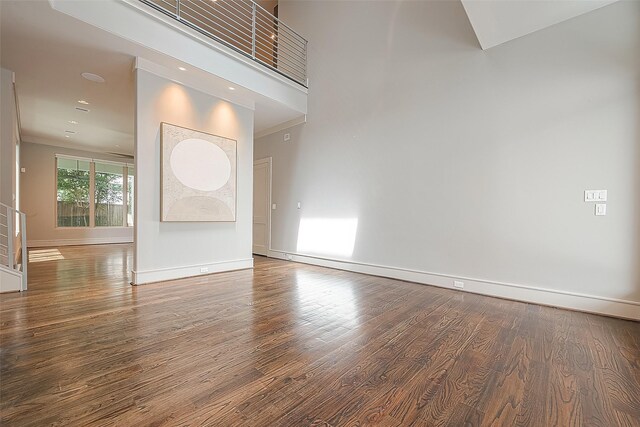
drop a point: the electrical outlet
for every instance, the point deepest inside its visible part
(458, 284)
(287, 137)
(601, 209)
(204, 269)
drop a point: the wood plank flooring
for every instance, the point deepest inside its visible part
(294, 345)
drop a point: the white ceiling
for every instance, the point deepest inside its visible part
(498, 21)
(49, 50)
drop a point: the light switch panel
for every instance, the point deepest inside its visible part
(273, 206)
(601, 209)
(602, 195)
(595, 195)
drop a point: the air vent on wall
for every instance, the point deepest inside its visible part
(128, 156)
(84, 110)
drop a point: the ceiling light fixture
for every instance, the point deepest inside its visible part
(182, 69)
(67, 136)
(93, 77)
(73, 122)
(83, 102)
(232, 88)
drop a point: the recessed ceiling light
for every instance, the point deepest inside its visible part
(67, 136)
(232, 88)
(73, 122)
(93, 77)
(83, 102)
(182, 69)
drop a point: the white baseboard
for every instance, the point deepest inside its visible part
(574, 301)
(77, 242)
(173, 273)
(10, 281)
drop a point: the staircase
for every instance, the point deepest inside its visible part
(13, 250)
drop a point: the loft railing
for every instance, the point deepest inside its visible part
(13, 242)
(246, 27)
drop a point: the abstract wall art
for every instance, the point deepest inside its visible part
(198, 176)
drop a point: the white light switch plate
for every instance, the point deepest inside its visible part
(273, 206)
(299, 205)
(287, 136)
(595, 195)
(601, 209)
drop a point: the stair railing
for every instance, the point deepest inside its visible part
(13, 242)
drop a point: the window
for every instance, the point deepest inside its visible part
(94, 193)
(73, 193)
(130, 179)
(109, 195)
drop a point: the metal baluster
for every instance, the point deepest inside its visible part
(25, 253)
(253, 30)
(10, 259)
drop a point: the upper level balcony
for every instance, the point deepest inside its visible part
(220, 43)
(248, 28)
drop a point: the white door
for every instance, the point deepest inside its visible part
(261, 205)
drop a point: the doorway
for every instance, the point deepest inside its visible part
(261, 206)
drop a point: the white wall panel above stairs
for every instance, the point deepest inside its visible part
(498, 21)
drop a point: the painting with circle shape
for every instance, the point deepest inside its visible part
(198, 176)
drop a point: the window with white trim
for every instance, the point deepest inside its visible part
(93, 193)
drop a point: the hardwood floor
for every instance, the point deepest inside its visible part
(294, 345)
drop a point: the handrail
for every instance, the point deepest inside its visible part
(246, 27)
(13, 245)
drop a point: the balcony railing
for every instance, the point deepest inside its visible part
(245, 27)
(13, 243)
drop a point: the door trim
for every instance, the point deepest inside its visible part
(268, 161)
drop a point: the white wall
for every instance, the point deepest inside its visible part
(38, 199)
(8, 139)
(166, 250)
(459, 162)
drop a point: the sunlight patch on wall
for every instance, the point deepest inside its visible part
(327, 236)
(41, 255)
